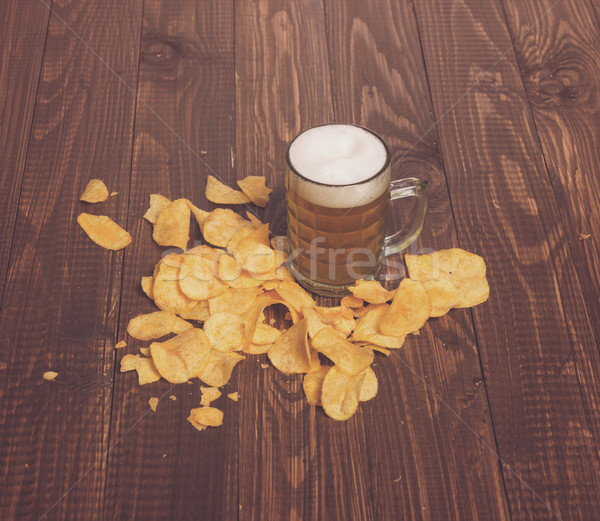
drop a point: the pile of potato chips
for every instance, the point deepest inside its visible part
(228, 284)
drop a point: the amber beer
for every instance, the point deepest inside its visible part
(338, 188)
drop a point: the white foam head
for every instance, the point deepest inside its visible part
(335, 162)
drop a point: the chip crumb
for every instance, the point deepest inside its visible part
(173, 397)
(209, 394)
(203, 152)
(153, 402)
(50, 375)
(112, 194)
(397, 479)
(234, 396)
(121, 344)
(496, 205)
(584, 236)
(264, 366)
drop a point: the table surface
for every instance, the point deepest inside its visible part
(491, 413)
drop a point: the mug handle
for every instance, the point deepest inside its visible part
(409, 187)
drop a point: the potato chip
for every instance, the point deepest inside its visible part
(104, 231)
(443, 295)
(146, 370)
(473, 292)
(294, 295)
(181, 357)
(145, 351)
(253, 252)
(255, 188)
(221, 225)
(280, 242)
(172, 226)
(95, 192)
(198, 312)
(239, 236)
(153, 403)
(371, 291)
(157, 324)
(217, 371)
(207, 416)
(234, 275)
(197, 278)
(225, 331)
(409, 310)
(199, 215)
(172, 397)
(209, 394)
(256, 222)
(234, 396)
(196, 425)
(265, 334)
(369, 387)
(166, 291)
(452, 264)
(368, 328)
(341, 393)
(257, 349)
(350, 301)
(341, 318)
(49, 375)
(157, 204)
(313, 385)
(314, 319)
(291, 353)
(147, 283)
(219, 193)
(345, 355)
(234, 300)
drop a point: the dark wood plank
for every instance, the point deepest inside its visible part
(431, 392)
(160, 467)
(23, 29)
(294, 462)
(62, 294)
(537, 347)
(558, 60)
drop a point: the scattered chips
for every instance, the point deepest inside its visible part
(104, 231)
(219, 193)
(95, 192)
(254, 186)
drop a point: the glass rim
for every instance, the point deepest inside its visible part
(369, 179)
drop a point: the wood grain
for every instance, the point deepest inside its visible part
(558, 58)
(432, 452)
(160, 467)
(23, 29)
(62, 294)
(538, 352)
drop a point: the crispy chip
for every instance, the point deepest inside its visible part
(341, 318)
(234, 275)
(146, 370)
(443, 295)
(294, 295)
(234, 396)
(217, 371)
(157, 324)
(265, 334)
(341, 393)
(217, 192)
(145, 351)
(257, 349)
(197, 279)
(49, 375)
(255, 188)
(172, 226)
(409, 310)
(182, 357)
(291, 353)
(368, 328)
(239, 236)
(221, 225)
(350, 301)
(147, 283)
(209, 394)
(369, 387)
(104, 231)
(153, 403)
(313, 385)
(371, 291)
(349, 358)
(226, 331)
(121, 344)
(452, 264)
(196, 425)
(473, 292)
(166, 291)
(234, 300)
(157, 204)
(95, 192)
(256, 222)
(199, 215)
(207, 416)
(198, 312)
(254, 253)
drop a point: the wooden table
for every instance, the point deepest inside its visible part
(490, 414)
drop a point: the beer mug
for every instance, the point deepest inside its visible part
(337, 190)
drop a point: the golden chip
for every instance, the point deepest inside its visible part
(198, 312)
(121, 344)
(157, 324)
(341, 393)
(225, 331)
(473, 292)
(452, 264)
(409, 310)
(200, 215)
(265, 334)
(443, 295)
(368, 328)
(153, 403)
(234, 300)
(350, 301)
(240, 235)
(294, 295)
(221, 225)
(104, 231)
(95, 192)
(256, 222)
(145, 351)
(257, 349)
(234, 275)
(349, 358)
(209, 394)
(197, 278)
(157, 204)
(172, 226)
(313, 385)
(182, 357)
(166, 291)
(217, 371)
(371, 291)
(49, 375)
(291, 353)
(147, 283)
(341, 318)
(207, 416)
(254, 253)
(146, 370)
(234, 396)
(369, 387)
(255, 188)
(217, 192)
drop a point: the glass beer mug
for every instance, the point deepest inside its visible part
(337, 189)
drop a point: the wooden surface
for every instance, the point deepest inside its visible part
(489, 414)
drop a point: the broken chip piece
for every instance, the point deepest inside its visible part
(95, 192)
(104, 231)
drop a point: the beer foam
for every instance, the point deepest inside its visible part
(333, 157)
